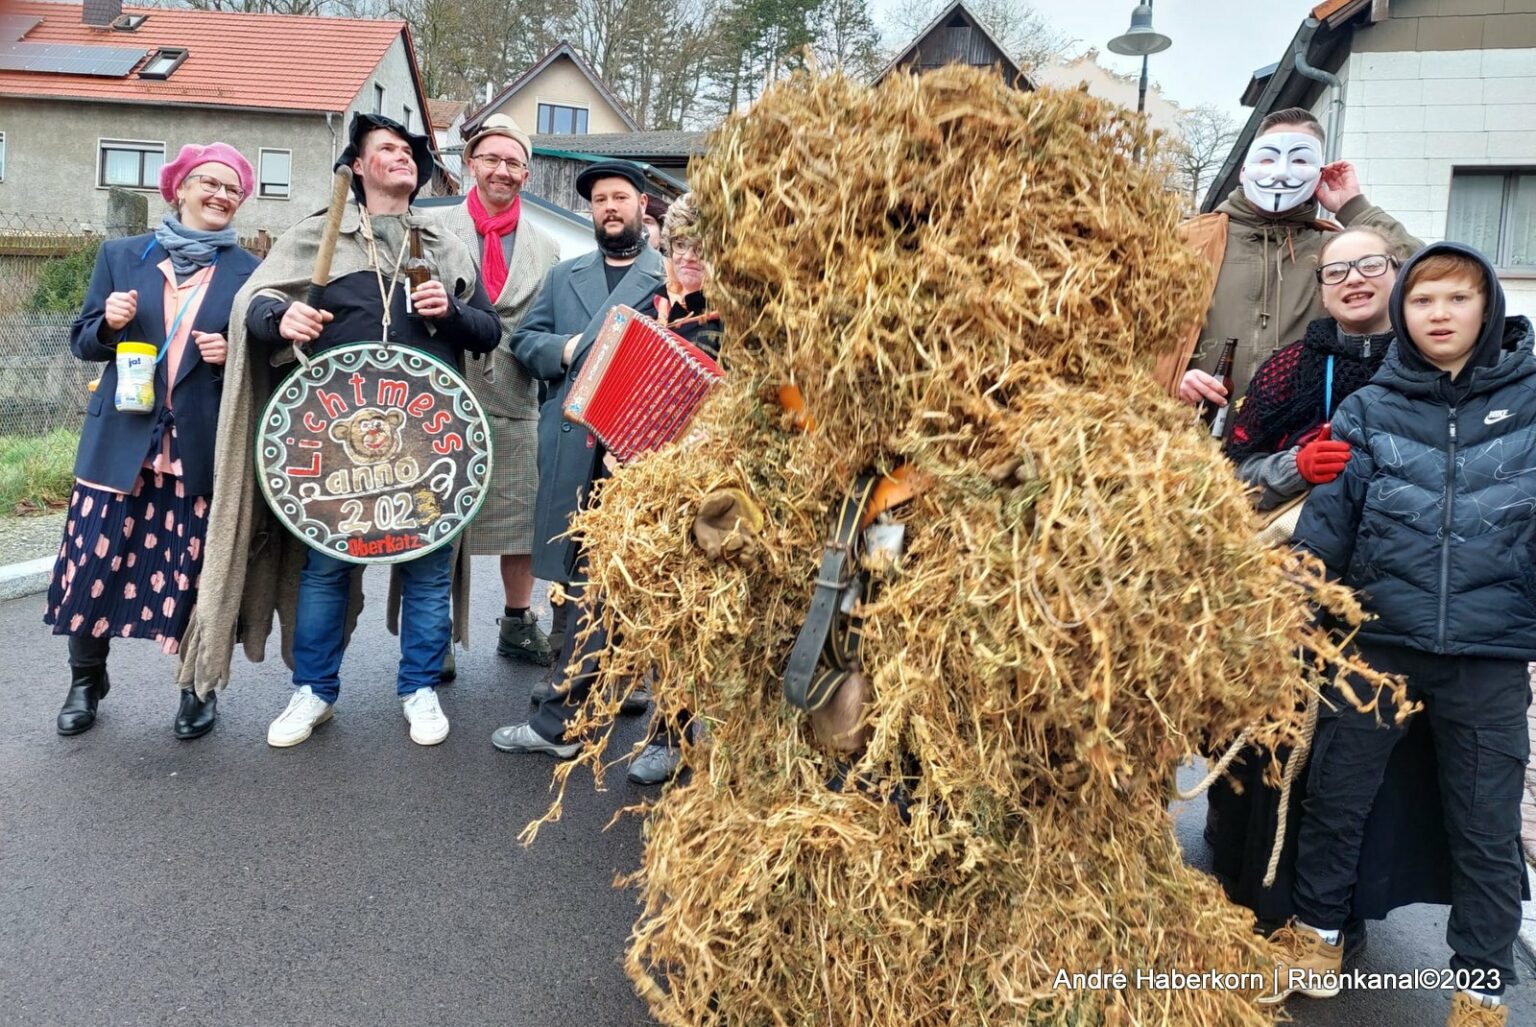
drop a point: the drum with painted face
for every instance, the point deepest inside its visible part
(374, 454)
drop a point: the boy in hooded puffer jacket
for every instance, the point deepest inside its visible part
(1432, 523)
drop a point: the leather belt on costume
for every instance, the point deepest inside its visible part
(830, 634)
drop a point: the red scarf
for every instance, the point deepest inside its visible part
(493, 266)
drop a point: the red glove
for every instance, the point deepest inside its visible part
(1322, 459)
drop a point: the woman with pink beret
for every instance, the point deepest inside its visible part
(133, 537)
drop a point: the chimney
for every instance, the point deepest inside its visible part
(102, 13)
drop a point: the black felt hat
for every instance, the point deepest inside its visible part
(610, 169)
(362, 124)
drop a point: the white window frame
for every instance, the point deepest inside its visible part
(564, 105)
(261, 182)
(142, 145)
(1508, 173)
(2, 156)
(408, 115)
(379, 97)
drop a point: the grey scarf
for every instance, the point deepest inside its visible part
(191, 248)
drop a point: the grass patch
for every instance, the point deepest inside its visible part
(37, 472)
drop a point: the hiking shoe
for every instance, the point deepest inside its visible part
(1467, 1011)
(523, 738)
(656, 764)
(522, 639)
(450, 668)
(428, 724)
(305, 712)
(636, 702)
(1305, 964)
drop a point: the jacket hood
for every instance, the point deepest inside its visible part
(1490, 343)
(1237, 207)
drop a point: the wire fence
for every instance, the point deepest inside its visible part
(45, 265)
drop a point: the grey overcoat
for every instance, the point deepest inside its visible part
(574, 300)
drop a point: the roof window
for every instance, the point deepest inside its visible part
(163, 61)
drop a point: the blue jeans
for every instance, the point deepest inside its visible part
(426, 622)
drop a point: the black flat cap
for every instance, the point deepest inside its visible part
(610, 169)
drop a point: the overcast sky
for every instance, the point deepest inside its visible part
(1217, 44)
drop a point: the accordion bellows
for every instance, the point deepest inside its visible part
(640, 386)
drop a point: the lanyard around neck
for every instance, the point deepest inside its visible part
(182, 312)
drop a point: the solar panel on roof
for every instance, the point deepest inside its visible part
(14, 26)
(67, 59)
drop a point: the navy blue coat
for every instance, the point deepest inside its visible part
(114, 444)
(1434, 516)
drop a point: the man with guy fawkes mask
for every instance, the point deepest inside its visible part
(1264, 240)
(552, 343)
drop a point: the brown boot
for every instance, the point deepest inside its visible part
(1302, 957)
(1467, 1011)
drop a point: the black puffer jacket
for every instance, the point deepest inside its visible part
(1434, 517)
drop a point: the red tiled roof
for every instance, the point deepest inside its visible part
(272, 61)
(444, 111)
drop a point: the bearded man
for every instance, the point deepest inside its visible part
(1263, 240)
(552, 343)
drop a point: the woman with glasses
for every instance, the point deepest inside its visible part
(680, 303)
(1281, 446)
(133, 538)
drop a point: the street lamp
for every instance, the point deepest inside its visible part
(1141, 40)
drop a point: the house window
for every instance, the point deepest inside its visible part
(133, 165)
(557, 120)
(378, 98)
(2, 156)
(275, 175)
(164, 61)
(1495, 210)
(406, 121)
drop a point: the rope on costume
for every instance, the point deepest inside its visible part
(1219, 769)
(1293, 767)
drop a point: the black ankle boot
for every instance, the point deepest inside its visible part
(87, 687)
(195, 717)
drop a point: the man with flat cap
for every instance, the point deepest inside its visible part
(315, 596)
(552, 343)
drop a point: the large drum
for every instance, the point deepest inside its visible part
(373, 453)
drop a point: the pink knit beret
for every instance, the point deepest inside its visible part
(191, 155)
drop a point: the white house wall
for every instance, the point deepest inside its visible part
(1412, 117)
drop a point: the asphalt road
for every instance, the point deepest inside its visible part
(356, 879)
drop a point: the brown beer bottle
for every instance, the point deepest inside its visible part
(1210, 413)
(417, 269)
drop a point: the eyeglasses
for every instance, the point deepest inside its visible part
(685, 247)
(212, 186)
(490, 163)
(1372, 265)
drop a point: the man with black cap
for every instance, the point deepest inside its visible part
(552, 343)
(366, 299)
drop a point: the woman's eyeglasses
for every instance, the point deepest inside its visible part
(1372, 265)
(212, 186)
(684, 247)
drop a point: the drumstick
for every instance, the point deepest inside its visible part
(341, 184)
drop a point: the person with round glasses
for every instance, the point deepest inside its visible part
(133, 542)
(1281, 445)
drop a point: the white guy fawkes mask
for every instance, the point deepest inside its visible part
(1281, 171)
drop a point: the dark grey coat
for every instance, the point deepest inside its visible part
(574, 300)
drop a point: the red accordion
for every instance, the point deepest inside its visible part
(640, 386)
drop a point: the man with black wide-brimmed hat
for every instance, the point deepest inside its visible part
(366, 299)
(552, 343)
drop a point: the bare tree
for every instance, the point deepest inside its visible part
(846, 37)
(1204, 140)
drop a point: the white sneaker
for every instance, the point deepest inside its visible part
(428, 724)
(304, 713)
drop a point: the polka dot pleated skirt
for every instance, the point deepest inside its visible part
(129, 565)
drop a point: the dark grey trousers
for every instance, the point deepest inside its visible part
(1477, 716)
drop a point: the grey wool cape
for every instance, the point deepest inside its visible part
(251, 562)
